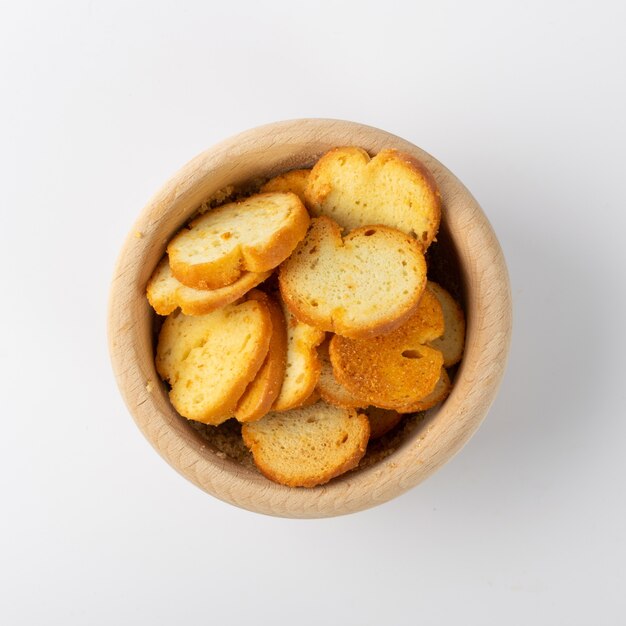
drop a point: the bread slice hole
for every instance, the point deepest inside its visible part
(411, 354)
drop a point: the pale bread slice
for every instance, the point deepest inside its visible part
(294, 181)
(255, 235)
(393, 189)
(303, 366)
(209, 360)
(363, 285)
(166, 294)
(397, 369)
(452, 342)
(381, 421)
(308, 446)
(261, 393)
(329, 387)
(437, 395)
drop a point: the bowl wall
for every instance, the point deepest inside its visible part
(266, 151)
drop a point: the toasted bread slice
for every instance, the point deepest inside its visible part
(363, 285)
(381, 421)
(209, 360)
(261, 393)
(452, 342)
(393, 189)
(313, 398)
(308, 446)
(329, 387)
(294, 181)
(166, 294)
(397, 369)
(303, 366)
(253, 235)
(437, 395)
(428, 322)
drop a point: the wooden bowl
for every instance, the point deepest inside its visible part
(263, 152)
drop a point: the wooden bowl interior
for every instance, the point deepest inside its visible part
(467, 259)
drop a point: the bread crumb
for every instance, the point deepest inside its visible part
(138, 234)
(217, 198)
(226, 440)
(149, 386)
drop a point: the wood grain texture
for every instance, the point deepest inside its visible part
(267, 151)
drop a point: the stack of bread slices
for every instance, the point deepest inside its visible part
(304, 311)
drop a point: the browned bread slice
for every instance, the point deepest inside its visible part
(451, 343)
(294, 181)
(437, 395)
(261, 393)
(255, 235)
(308, 446)
(166, 294)
(209, 360)
(365, 284)
(313, 398)
(393, 189)
(381, 421)
(303, 366)
(329, 387)
(397, 369)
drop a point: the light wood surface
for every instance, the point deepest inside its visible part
(266, 151)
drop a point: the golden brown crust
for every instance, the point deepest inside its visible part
(215, 275)
(387, 383)
(319, 186)
(307, 395)
(166, 294)
(438, 394)
(330, 389)
(210, 411)
(312, 399)
(294, 181)
(429, 182)
(397, 369)
(303, 342)
(281, 245)
(221, 297)
(422, 214)
(297, 476)
(252, 258)
(427, 323)
(323, 231)
(381, 421)
(261, 393)
(162, 300)
(452, 342)
(239, 387)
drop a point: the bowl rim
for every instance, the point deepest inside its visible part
(446, 428)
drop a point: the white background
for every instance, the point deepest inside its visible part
(101, 102)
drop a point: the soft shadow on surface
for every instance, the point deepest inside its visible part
(542, 426)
